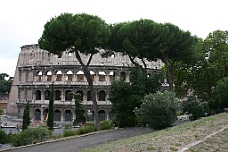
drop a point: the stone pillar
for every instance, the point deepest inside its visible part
(42, 112)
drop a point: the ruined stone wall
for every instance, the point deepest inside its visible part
(37, 69)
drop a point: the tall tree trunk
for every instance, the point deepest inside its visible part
(90, 83)
(169, 69)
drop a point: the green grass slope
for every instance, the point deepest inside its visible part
(175, 138)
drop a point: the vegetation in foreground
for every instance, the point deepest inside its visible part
(171, 139)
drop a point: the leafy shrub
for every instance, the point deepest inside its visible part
(86, 129)
(194, 107)
(4, 138)
(69, 132)
(106, 125)
(31, 136)
(158, 110)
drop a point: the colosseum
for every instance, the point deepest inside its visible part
(36, 70)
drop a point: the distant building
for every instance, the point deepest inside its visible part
(37, 69)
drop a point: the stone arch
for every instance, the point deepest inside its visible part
(69, 75)
(37, 114)
(89, 98)
(39, 75)
(101, 114)
(101, 95)
(59, 75)
(112, 75)
(90, 114)
(68, 95)
(38, 94)
(49, 76)
(57, 115)
(47, 94)
(68, 115)
(101, 75)
(80, 76)
(45, 114)
(57, 95)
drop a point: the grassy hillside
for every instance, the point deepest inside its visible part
(175, 138)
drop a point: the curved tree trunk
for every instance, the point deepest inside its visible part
(90, 83)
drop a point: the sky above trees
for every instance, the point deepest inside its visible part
(22, 22)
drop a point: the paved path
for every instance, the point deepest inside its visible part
(75, 144)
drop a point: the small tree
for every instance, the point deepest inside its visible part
(222, 92)
(79, 110)
(158, 110)
(50, 120)
(194, 107)
(26, 117)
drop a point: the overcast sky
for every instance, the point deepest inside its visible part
(22, 21)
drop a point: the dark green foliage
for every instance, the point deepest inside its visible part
(5, 85)
(194, 107)
(79, 110)
(106, 125)
(4, 138)
(80, 34)
(90, 127)
(26, 117)
(158, 110)
(222, 93)
(50, 121)
(123, 103)
(126, 96)
(31, 136)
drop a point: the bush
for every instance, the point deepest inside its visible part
(87, 129)
(4, 138)
(69, 132)
(106, 125)
(158, 110)
(31, 136)
(194, 107)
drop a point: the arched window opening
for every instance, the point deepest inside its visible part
(68, 95)
(101, 95)
(39, 76)
(101, 115)
(38, 95)
(80, 76)
(90, 114)
(89, 98)
(69, 75)
(49, 76)
(68, 115)
(37, 114)
(81, 94)
(59, 75)
(47, 94)
(113, 56)
(110, 116)
(57, 115)
(92, 75)
(57, 95)
(45, 114)
(123, 76)
(112, 75)
(101, 76)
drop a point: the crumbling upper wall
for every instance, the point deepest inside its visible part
(32, 55)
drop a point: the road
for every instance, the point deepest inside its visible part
(75, 144)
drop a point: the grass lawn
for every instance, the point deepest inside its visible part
(175, 138)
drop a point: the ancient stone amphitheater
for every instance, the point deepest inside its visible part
(36, 70)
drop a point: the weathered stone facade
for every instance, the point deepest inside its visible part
(37, 69)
